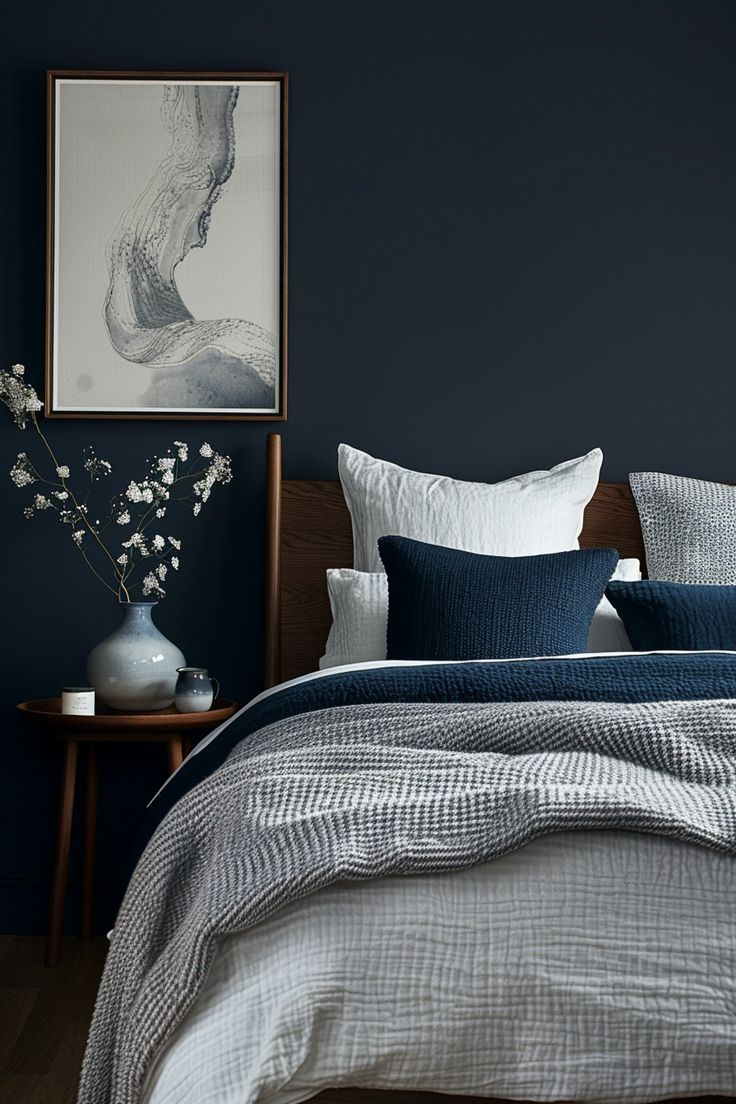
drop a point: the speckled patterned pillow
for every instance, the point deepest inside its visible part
(689, 528)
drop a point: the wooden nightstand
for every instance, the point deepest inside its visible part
(167, 726)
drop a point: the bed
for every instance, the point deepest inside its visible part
(588, 965)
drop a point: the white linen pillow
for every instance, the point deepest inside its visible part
(607, 632)
(359, 603)
(528, 515)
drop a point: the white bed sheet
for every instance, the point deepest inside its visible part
(597, 967)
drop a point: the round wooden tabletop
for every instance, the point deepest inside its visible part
(48, 711)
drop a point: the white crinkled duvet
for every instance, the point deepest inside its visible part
(585, 966)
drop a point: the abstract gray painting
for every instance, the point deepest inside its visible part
(167, 241)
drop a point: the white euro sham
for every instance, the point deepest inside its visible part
(528, 515)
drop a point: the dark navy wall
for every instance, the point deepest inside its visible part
(513, 237)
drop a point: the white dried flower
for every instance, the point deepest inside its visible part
(167, 477)
(219, 471)
(63, 471)
(139, 492)
(161, 511)
(175, 543)
(122, 559)
(94, 465)
(161, 571)
(223, 468)
(136, 541)
(175, 562)
(197, 507)
(158, 543)
(22, 472)
(21, 478)
(205, 450)
(151, 585)
(41, 502)
(78, 536)
(19, 397)
(165, 463)
(124, 518)
(61, 495)
(182, 450)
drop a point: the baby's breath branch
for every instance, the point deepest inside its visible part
(82, 513)
(172, 478)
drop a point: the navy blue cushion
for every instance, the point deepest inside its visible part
(447, 604)
(677, 616)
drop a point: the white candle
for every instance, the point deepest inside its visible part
(78, 700)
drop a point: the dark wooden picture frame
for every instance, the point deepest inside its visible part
(219, 365)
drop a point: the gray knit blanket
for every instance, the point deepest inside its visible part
(364, 791)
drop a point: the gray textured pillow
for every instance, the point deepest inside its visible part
(689, 528)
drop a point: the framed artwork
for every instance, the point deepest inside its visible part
(166, 245)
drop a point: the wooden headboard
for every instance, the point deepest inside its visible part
(308, 530)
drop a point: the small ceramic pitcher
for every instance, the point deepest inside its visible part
(195, 690)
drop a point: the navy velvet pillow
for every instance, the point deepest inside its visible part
(676, 616)
(447, 604)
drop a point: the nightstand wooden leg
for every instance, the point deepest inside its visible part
(61, 857)
(176, 753)
(90, 840)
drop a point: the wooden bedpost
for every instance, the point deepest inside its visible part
(272, 613)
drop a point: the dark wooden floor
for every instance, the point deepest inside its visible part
(44, 1017)
(45, 1014)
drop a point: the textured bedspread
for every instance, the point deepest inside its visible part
(586, 966)
(369, 788)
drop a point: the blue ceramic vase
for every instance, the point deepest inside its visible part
(135, 667)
